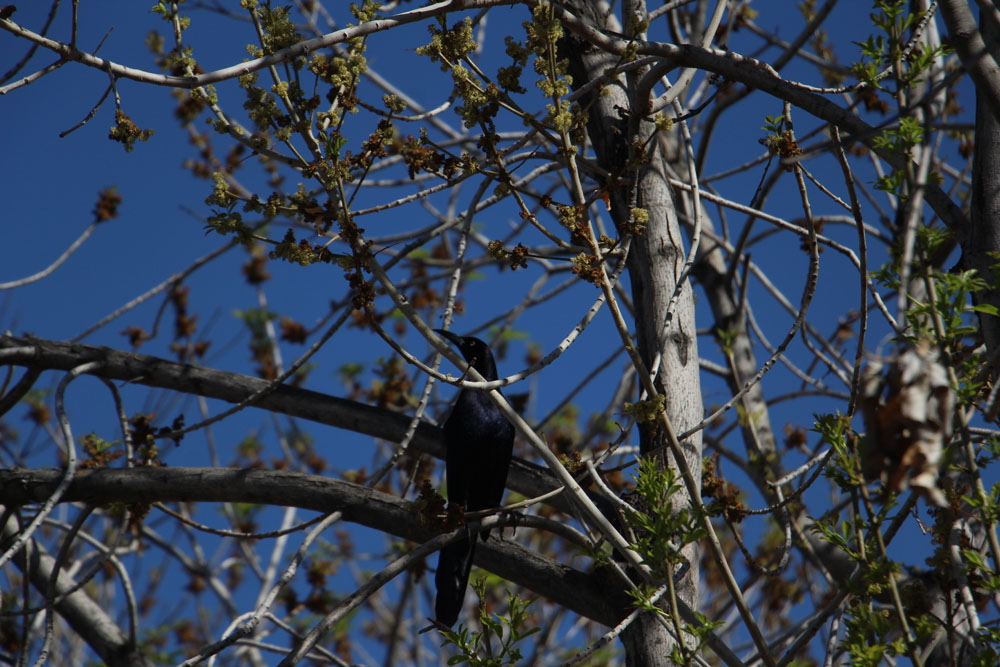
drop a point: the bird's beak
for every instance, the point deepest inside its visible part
(454, 338)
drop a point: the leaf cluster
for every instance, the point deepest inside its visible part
(660, 528)
(477, 648)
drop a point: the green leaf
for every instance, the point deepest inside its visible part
(986, 308)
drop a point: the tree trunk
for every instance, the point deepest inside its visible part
(983, 240)
(655, 261)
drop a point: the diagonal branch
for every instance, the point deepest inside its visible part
(39, 354)
(85, 616)
(971, 48)
(299, 50)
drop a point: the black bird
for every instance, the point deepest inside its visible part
(479, 442)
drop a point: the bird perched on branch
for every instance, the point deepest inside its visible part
(480, 443)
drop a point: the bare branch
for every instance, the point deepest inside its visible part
(591, 595)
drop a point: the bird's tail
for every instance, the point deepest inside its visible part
(451, 579)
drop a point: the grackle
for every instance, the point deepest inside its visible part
(479, 442)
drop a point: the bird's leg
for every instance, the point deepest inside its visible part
(469, 532)
(509, 517)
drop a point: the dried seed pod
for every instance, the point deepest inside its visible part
(908, 420)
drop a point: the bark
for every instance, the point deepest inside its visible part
(657, 257)
(654, 263)
(980, 249)
(593, 595)
(977, 51)
(38, 354)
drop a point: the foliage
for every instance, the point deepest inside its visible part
(477, 648)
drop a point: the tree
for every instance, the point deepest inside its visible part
(659, 182)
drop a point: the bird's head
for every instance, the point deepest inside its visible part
(475, 352)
